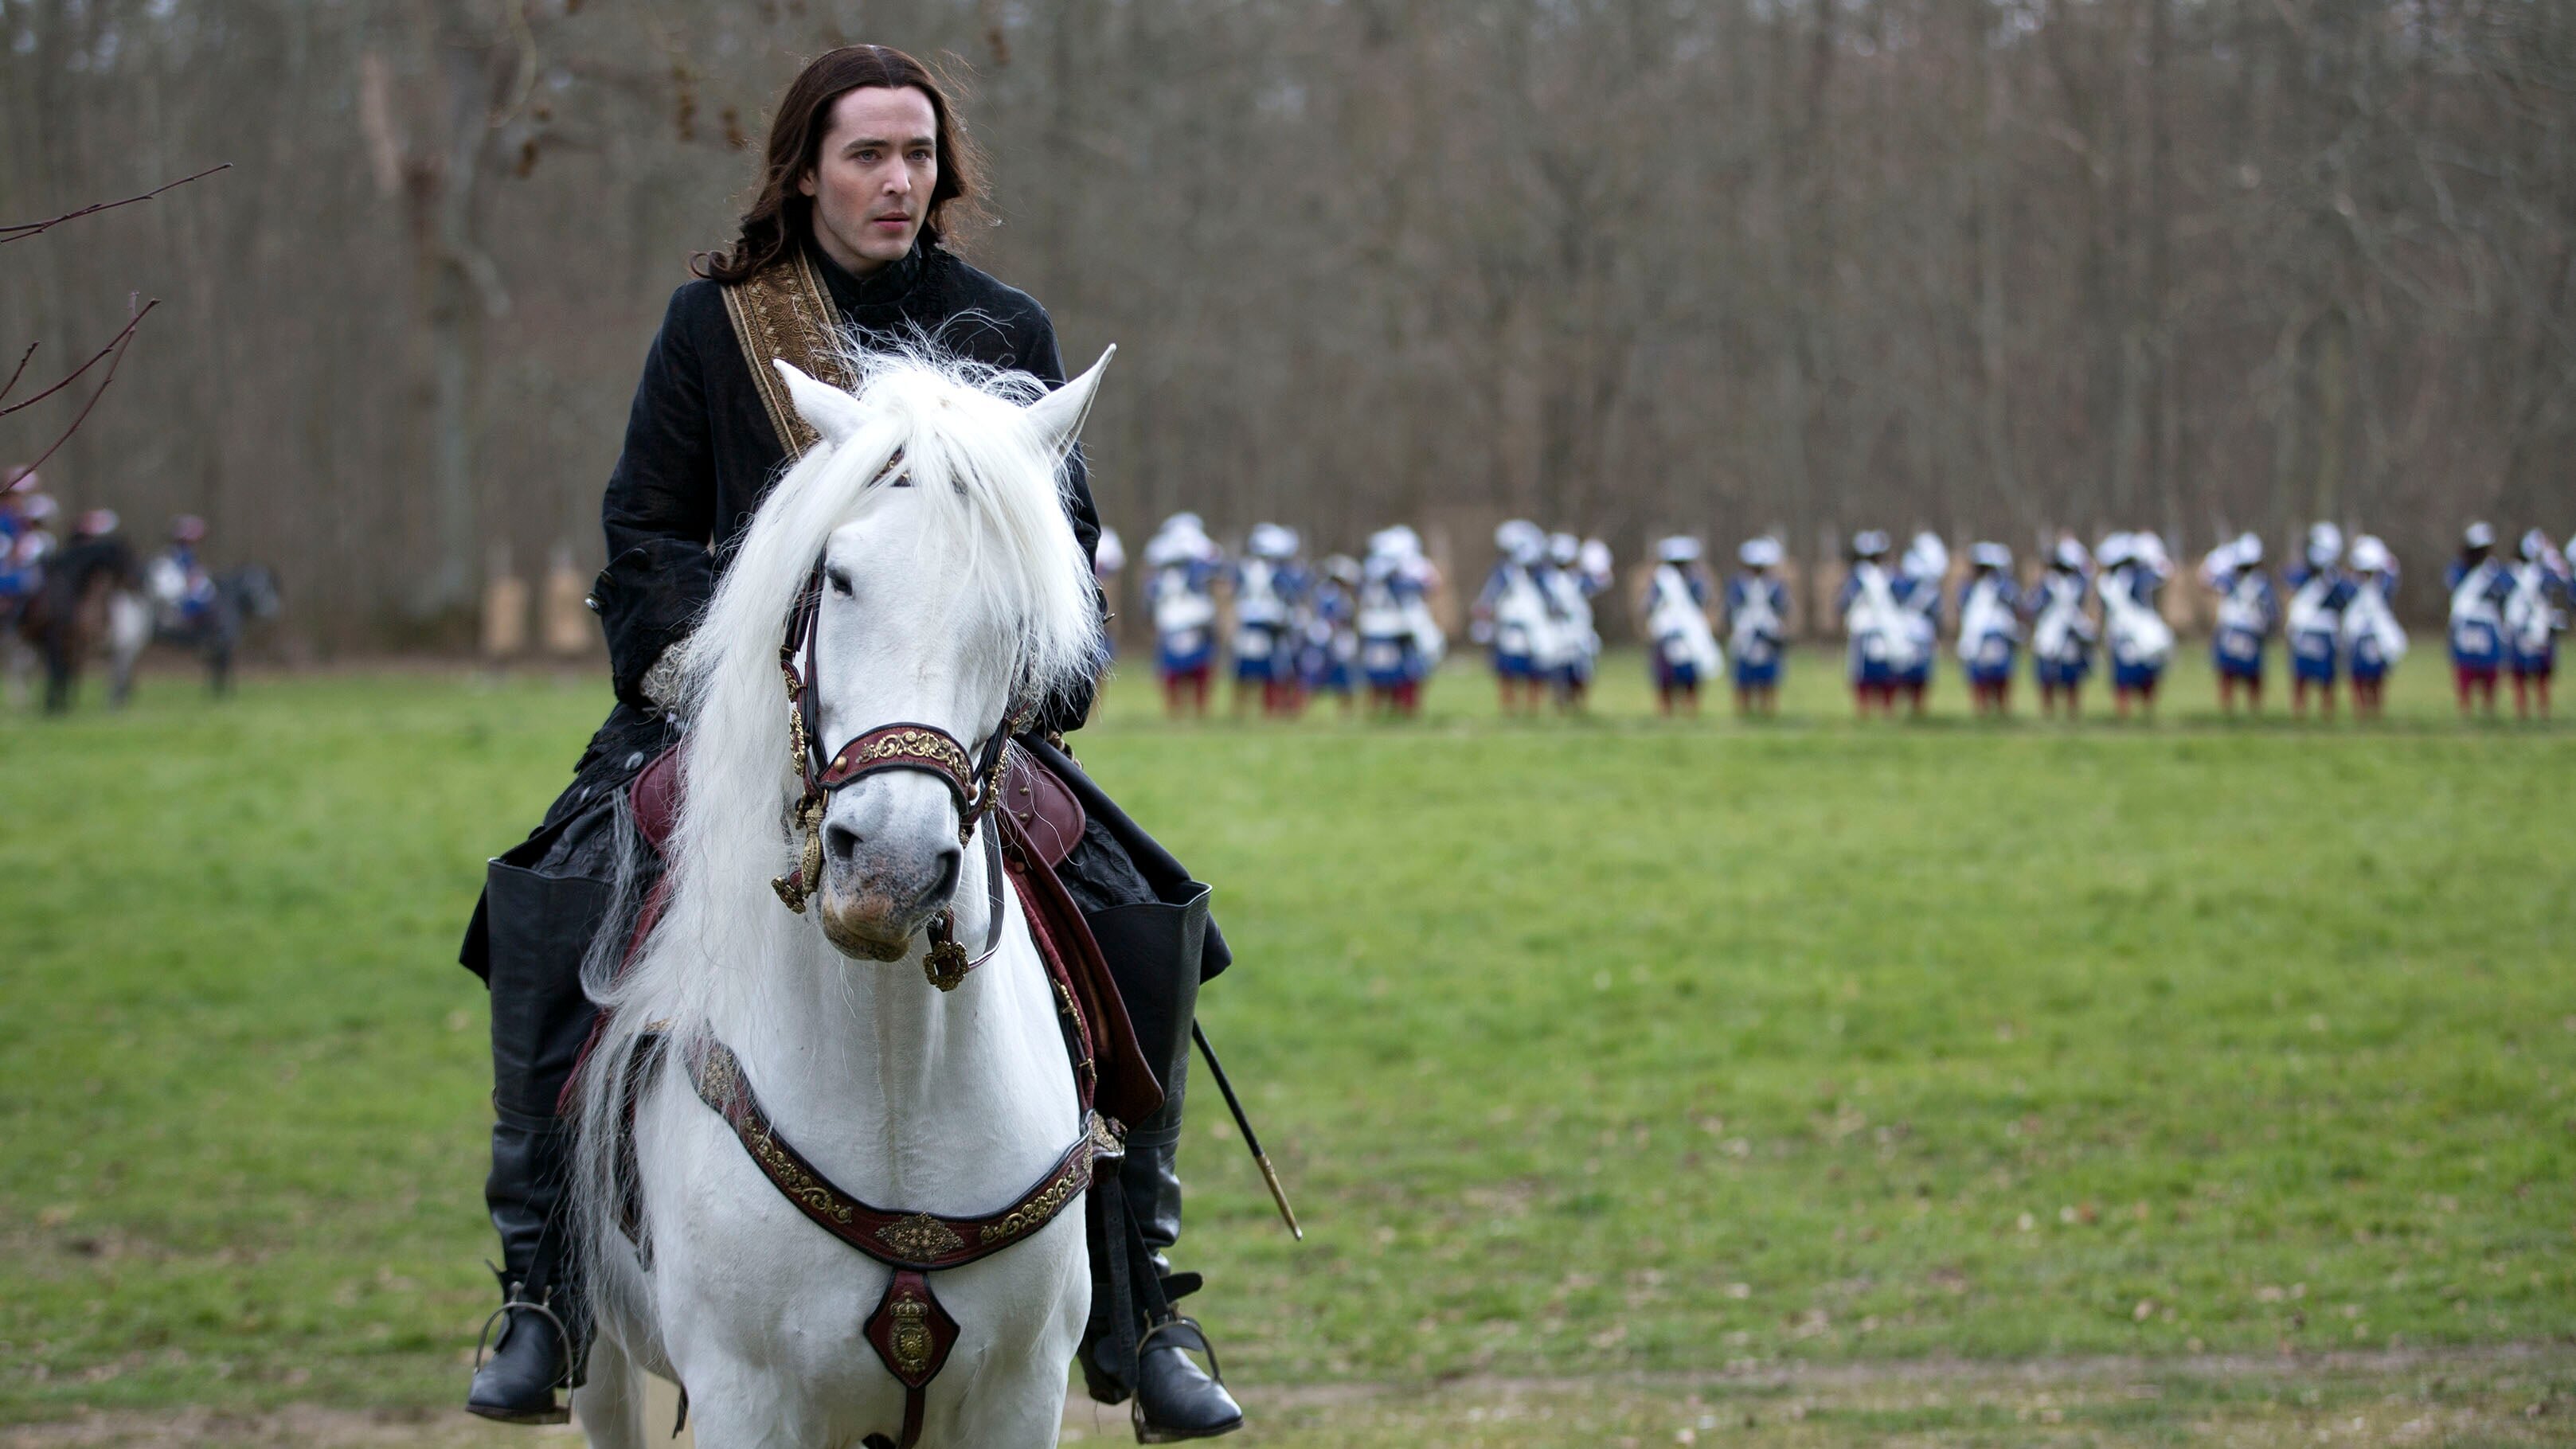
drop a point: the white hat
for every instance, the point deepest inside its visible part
(2369, 554)
(2478, 535)
(1760, 553)
(2115, 549)
(1927, 557)
(1680, 548)
(2149, 548)
(1563, 548)
(35, 506)
(2070, 554)
(1869, 543)
(1521, 541)
(1110, 555)
(2249, 549)
(1343, 567)
(1594, 557)
(1272, 541)
(2325, 544)
(1396, 542)
(2535, 544)
(1991, 556)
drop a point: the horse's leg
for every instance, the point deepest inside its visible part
(610, 1403)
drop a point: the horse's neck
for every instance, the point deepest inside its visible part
(908, 1096)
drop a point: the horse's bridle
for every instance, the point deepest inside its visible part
(973, 779)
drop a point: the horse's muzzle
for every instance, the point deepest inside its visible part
(876, 898)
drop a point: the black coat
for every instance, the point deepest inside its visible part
(701, 453)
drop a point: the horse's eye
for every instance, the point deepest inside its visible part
(840, 582)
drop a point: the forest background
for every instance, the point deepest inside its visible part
(1991, 267)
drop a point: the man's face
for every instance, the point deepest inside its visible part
(871, 182)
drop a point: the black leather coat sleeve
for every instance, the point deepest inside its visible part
(660, 509)
(1065, 711)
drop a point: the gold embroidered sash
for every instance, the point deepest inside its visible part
(783, 311)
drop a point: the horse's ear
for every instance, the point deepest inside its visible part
(831, 412)
(1059, 414)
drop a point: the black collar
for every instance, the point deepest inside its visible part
(887, 286)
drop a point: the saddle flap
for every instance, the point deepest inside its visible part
(1050, 819)
(655, 798)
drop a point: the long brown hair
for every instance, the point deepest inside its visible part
(781, 216)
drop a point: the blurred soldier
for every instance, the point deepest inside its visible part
(2319, 593)
(1683, 648)
(1917, 588)
(182, 592)
(1512, 615)
(2062, 635)
(2249, 609)
(24, 542)
(1881, 636)
(2478, 587)
(2535, 614)
(2133, 572)
(1107, 563)
(1400, 643)
(1990, 628)
(1329, 662)
(1181, 590)
(1269, 589)
(1757, 610)
(1577, 572)
(2373, 639)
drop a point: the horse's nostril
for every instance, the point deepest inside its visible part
(949, 861)
(839, 842)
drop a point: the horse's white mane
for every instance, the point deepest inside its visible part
(991, 476)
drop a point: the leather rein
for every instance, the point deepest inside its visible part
(974, 780)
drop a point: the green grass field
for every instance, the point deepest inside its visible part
(1607, 1050)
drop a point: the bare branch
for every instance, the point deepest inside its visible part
(123, 339)
(20, 231)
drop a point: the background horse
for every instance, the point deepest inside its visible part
(89, 605)
(951, 591)
(243, 596)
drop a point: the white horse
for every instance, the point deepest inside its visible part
(952, 591)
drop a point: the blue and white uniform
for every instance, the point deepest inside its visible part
(2535, 612)
(2372, 638)
(1989, 617)
(2061, 635)
(1181, 591)
(1757, 614)
(1881, 636)
(2478, 586)
(1400, 643)
(1917, 588)
(1329, 658)
(1512, 613)
(1684, 647)
(1269, 589)
(2133, 572)
(2249, 607)
(1576, 571)
(2319, 593)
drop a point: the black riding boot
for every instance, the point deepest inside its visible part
(541, 1318)
(533, 930)
(1153, 951)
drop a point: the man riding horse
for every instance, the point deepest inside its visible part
(866, 176)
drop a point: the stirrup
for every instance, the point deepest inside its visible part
(483, 1342)
(1178, 1326)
